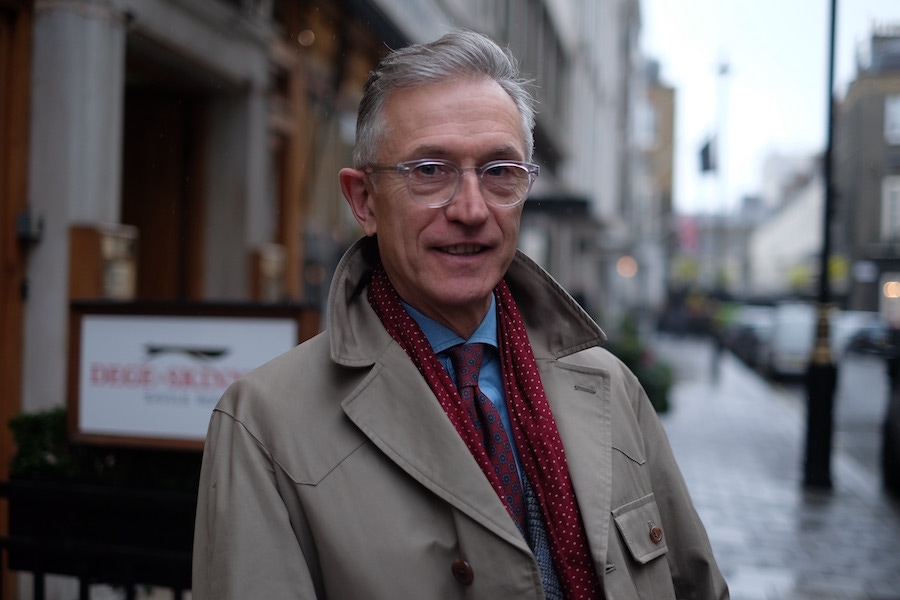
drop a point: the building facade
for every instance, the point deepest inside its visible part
(867, 167)
(657, 241)
(783, 250)
(16, 234)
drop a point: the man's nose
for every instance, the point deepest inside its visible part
(469, 204)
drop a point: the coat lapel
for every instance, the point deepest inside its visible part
(580, 400)
(396, 409)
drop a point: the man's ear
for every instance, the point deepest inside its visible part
(354, 185)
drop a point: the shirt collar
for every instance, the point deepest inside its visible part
(442, 338)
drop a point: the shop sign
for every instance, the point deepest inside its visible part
(157, 377)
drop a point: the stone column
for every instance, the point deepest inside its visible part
(75, 154)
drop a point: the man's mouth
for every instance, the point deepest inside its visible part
(463, 249)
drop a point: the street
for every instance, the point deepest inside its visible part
(739, 441)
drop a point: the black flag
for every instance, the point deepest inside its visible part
(708, 156)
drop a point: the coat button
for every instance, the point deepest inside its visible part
(656, 534)
(462, 571)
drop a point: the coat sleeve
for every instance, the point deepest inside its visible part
(244, 544)
(695, 574)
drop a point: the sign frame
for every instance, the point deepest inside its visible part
(87, 317)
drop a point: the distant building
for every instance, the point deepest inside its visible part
(764, 251)
(782, 249)
(782, 229)
(657, 239)
(782, 174)
(867, 170)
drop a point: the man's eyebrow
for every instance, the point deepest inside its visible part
(429, 151)
(505, 151)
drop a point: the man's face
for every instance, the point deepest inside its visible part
(443, 261)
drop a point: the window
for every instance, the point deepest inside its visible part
(890, 208)
(892, 120)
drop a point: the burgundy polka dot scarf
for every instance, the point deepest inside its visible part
(534, 429)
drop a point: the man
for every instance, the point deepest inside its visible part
(458, 431)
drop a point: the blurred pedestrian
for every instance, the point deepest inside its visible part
(458, 431)
(718, 317)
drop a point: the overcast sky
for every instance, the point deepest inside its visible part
(773, 98)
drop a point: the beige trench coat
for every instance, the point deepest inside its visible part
(332, 472)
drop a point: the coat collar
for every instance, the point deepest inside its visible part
(357, 337)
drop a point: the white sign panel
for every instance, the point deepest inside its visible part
(160, 376)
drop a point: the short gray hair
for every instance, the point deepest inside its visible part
(457, 54)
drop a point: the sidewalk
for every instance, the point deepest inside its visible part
(739, 442)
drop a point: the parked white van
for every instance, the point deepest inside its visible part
(794, 333)
(791, 342)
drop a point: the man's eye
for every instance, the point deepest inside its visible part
(497, 171)
(429, 170)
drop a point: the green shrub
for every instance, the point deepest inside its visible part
(42, 450)
(45, 452)
(655, 375)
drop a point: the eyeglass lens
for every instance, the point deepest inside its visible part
(437, 183)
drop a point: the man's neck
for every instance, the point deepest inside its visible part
(442, 337)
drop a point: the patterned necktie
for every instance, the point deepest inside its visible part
(466, 361)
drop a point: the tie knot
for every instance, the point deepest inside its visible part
(466, 361)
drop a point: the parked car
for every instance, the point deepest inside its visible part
(748, 332)
(849, 325)
(873, 339)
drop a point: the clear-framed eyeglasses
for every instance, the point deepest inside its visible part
(435, 183)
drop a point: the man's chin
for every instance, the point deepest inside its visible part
(463, 298)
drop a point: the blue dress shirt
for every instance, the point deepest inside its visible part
(490, 380)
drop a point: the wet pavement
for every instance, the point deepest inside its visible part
(739, 441)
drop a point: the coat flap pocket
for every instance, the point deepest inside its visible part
(639, 524)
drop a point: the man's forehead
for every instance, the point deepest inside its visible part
(437, 120)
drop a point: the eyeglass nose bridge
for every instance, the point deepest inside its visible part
(478, 172)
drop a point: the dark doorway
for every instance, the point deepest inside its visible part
(164, 160)
(162, 189)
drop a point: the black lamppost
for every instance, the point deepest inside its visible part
(821, 375)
